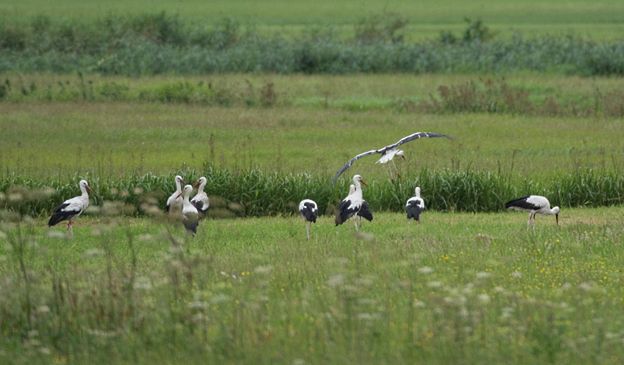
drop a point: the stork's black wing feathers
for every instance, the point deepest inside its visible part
(413, 210)
(345, 211)
(365, 212)
(199, 205)
(521, 203)
(350, 162)
(309, 212)
(61, 215)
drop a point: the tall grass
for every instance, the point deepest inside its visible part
(257, 193)
(460, 288)
(161, 43)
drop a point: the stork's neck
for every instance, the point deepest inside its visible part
(201, 187)
(357, 194)
(178, 185)
(417, 193)
(84, 191)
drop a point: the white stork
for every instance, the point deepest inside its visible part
(388, 152)
(309, 212)
(415, 205)
(354, 204)
(534, 204)
(200, 200)
(71, 208)
(190, 215)
(174, 202)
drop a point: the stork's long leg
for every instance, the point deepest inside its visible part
(308, 230)
(529, 221)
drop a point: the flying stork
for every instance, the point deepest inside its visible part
(388, 152)
(309, 212)
(200, 200)
(354, 204)
(174, 202)
(533, 204)
(71, 208)
(415, 205)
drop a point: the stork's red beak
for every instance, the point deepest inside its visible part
(196, 185)
(88, 189)
(363, 182)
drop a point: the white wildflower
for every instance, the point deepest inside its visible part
(336, 280)
(483, 275)
(483, 298)
(425, 270)
(263, 269)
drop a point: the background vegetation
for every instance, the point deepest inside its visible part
(161, 43)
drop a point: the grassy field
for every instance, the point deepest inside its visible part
(456, 288)
(601, 19)
(120, 139)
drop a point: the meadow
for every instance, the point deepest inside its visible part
(267, 99)
(459, 287)
(600, 19)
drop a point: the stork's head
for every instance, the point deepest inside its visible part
(84, 186)
(401, 154)
(188, 189)
(556, 211)
(201, 182)
(417, 191)
(357, 179)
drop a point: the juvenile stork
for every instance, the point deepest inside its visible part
(174, 202)
(533, 204)
(71, 208)
(354, 204)
(415, 205)
(200, 200)
(388, 152)
(190, 215)
(309, 212)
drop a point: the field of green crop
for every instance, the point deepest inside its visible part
(457, 288)
(267, 99)
(598, 19)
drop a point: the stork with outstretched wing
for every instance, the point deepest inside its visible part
(388, 152)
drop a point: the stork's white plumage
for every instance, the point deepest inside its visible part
(415, 205)
(190, 215)
(388, 152)
(71, 208)
(309, 212)
(200, 200)
(354, 204)
(174, 202)
(534, 204)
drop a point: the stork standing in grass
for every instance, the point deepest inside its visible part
(354, 204)
(190, 215)
(309, 212)
(415, 205)
(71, 208)
(200, 200)
(388, 152)
(174, 202)
(534, 204)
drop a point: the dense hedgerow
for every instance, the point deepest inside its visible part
(160, 43)
(258, 193)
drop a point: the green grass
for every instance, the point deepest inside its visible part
(456, 288)
(121, 139)
(600, 19)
